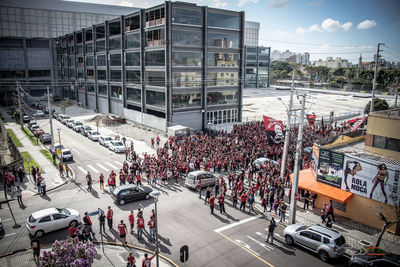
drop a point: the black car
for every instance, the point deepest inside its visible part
(129, 193)
(372, 257)
(45, 138)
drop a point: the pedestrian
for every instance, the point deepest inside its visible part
(271, 229)
(199, 188)
(330, 210)
(33, 172)
(138, 180)
(212, 203)
(72, 231)
(216, 188)
(140, 227)
(89, 181)
(282, 211)
(43, 186)
(234, 198)
(314, 199)
(61, 169)
(110, 214)
(264, 203)
(243, 199)
(86, 234)
(88, 223)
(35, 245)
(324, 211)
(67, 170)
(80, 234)
(102, 222)
(221, 200)
(208, 195)
(307, 199)
(38, 181)
(131, 219)
(101, 181)
(329, 221)
(147, 261)
(21, 174)
(251, 203)
(122, 232)
(152, 228)
(19, 197)
(130, 260)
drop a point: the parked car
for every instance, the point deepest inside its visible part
(116, 146)
(65, 155)
(93, 135)
(258, 163)
(26, 119)
(129, 193)
(45, 138)
(105, 140)
(56, 147)
(64, 119)
(52, 219)
(55, 115)
(206, 178)
(77, 126)
(70, 123)
(31, 124)
(39, 113)
(34, 127)
(85, 130)
(326, 242)
(373, 256)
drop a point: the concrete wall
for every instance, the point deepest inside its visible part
(145, 119)
(12, 59)
(117, 108)
(91, 101)
(192, 119)
(103, 105)
(81, 98)
(39, 58)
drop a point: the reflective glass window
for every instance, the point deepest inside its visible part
(102, 89)
(115, 75)
(181, 37)
(155, 58)
(79, 49)
(155, 38)
(89, 61)
(219, 98)
(223, 40)
(132, 40)
(186, 16)
(186, 79)
(154, 78)
(115, 59)
(114, 43)
(89, 48)
(132, 58)
(100, 46)
(133, 94)
(89, 74)
(116, 91)
(186, 100)
(155, 98)
(90, 88)
(101, 74)
(222, 78)
(229, 21)
(186, 58)
(133, 76)
(223, 59)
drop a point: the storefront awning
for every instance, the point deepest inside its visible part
(307, 181)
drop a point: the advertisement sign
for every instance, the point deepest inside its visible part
(274, 130)
(315, 157)
(330, 167)
(371, 179)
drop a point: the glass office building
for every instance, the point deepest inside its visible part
(172, 64)
(257, 66)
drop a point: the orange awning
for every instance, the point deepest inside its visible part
(307, 181)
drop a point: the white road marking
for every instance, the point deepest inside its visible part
(261, 244)
(91, 167)
(112, 166)
(6, 220)
(265, 237)
(276, 235)
(101, 166)
(9, 234)
(119, 163)
(237, 223)
(240, 242)
(82, 170)
(75, 150)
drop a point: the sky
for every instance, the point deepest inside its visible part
(337, 28)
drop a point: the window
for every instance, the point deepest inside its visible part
(186, 79)
(225, 97)
(155, 58)
(37, 43)
(133, 76)
(183, 37)
(155, 98)
(132, 23)
(326, 240)
(100, 46)
(114, 43)
(101, 60)
(89, 35)
(89, 74)
(115, 59)
(39, 73)
(101, 75)
(224, 40)
(186, 58)
(223, 60)
(115, 75)
(155, 17)
(155, 38)
(186, 16)
(45, 219)
(59, 216)
(154, 78)
(89, 61)
(102, 90)
(132, 40)
(11, 74)
(80, 73)
(386, 143)
(220, 78)
(306, 234)
(132, 59)
(89, 48)
(186, 100)
(90, 88)
(316, 237)
(229, 21)
(79, 49)
(133, 94)
(116, 92)
(100, 32)
(115, 28)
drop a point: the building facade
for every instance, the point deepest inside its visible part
(338, 62)
(26, 29)
(173, 64)
(257, 61)
(251, 34)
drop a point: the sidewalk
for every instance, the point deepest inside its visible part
(107, 254)
(51, 174)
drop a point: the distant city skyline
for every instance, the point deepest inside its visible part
(323, 28)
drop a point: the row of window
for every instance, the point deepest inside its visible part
(18, 74)
(386, 143)
(222, 116)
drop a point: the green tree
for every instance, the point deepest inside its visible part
(379, 104)
(280, 66)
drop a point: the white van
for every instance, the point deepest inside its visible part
(194, 177)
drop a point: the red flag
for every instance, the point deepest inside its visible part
(270, 123)
(311, 118)
(322, 125)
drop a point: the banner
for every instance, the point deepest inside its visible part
(358, 123)
(315, 157)
(274, 130)
(371, 179)
(330, 167)
(311, 118)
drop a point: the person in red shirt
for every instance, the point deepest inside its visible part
(110, 214)
(72, 231)
(132, 221)
(212, 203)
(147, 261)
(152, 228)
(221, 200)
(243, 199)
(138, 180)
(122, 232)
(131, 260)
(61, 169)
(140, 227)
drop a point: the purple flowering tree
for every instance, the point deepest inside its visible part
(69, 252)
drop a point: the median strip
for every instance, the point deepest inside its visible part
(49, 156)
(14, 138)
(31, 163)
(30, 136)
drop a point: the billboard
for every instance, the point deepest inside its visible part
(371, 179)
(330, 167)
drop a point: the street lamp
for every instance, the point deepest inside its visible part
(155, 195)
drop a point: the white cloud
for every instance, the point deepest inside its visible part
(139, 4)
(300, 30)
(366, 24)
(314, 28)
(243, 2)
(277, 3)
(218, 3)
(125, 3)
(331, 25)
(280, 33)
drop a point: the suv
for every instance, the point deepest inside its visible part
(194, 177)
(65, 155)
(77, 126)
(327, 242)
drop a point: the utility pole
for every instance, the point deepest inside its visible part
(20, 108)
(371, 108)
(287, 131)
(292, 215)
(50, 117)
(397, 95)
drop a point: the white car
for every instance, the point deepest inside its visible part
(52, 219)
(93, 135)
(77, 126)
(117, 146)
(65, 155)
(105, 140)
(64, 119)
(70, 123)
(39, 113)
(56, 147)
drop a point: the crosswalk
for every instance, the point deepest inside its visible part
(101, 167)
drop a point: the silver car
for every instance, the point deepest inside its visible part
(206, 178)
(327, 242)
